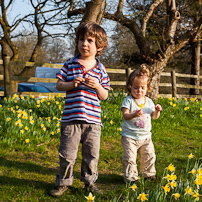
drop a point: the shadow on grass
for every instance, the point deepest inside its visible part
(12, 181)
(108, 180)
(28, 167)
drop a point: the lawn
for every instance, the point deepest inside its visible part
(29, 140)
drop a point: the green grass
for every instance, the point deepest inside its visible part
(29, 151)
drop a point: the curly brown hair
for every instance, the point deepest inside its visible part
(93, 29)
(142, 71)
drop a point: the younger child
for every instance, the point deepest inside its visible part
(86, 81)
(137, 110)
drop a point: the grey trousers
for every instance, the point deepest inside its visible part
(72, 133)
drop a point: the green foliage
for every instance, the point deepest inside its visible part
(29, 151)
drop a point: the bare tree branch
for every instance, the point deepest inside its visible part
(142, 42)
(149, 14)
(120, 6)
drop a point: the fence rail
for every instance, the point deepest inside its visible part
(173, 84)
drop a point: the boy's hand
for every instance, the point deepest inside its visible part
(92, 82)
(158, 108)
(78, 80)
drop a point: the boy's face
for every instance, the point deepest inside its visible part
(139, 87)
(87, 46)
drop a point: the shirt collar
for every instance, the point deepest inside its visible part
(76, 59)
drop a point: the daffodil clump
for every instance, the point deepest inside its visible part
(30, 121)
(190, 189)
(171, 187)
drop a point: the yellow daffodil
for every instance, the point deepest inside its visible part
(176, 196)
(20, 125)
(171, 167)
(173, 184)
(120, 129)
(142, 197)
(199, 172)
(32, 121)
(188, 190)
(174, 105)
(22, 131)
(111, 122)
(134, 187)
(26, 128)
(191, 156)
(198, 181)
(105, 117)
(52, 133)
(166, 188)
(171, 177)
(196, 195)
(90, 197)
(8, 119)
(44, 128)
(192, 171)
(27, 140)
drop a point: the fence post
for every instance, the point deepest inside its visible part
(174, 88)
(128, 71)
(7, 76)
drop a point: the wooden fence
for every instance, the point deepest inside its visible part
(173, 85)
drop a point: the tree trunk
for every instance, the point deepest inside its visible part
(94, 11)
(195, 68)
(6, 66)
(155, 74)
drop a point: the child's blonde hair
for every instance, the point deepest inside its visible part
(142, 71)
(93, 29)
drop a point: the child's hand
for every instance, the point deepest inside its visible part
(78, 80)
(138, 113)
(92, 82)
(158, 108)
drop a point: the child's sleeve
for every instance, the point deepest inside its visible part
(105, 79)
(126, 103)
(62, 75)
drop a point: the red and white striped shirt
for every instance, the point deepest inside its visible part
(82, 103)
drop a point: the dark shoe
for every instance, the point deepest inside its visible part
(58, 190)
(150, 178)
(93, 188)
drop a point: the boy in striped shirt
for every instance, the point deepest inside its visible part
(86, 82)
